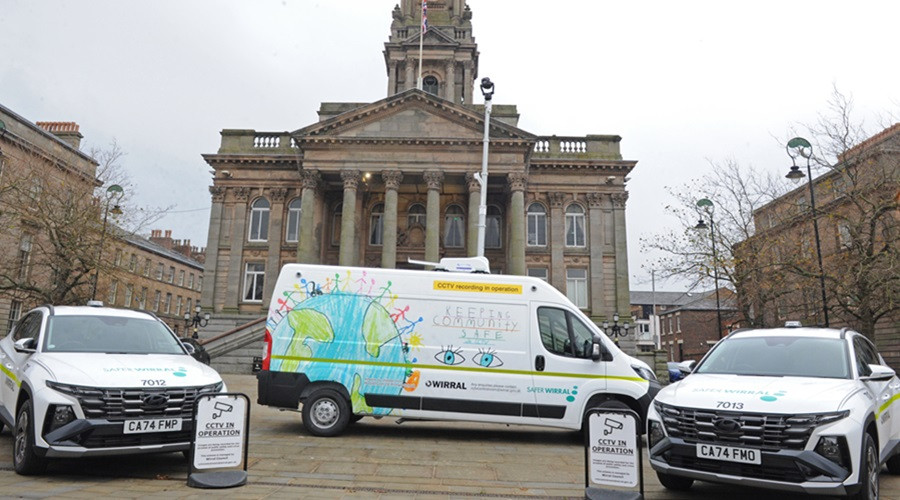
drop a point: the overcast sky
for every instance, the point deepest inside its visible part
(684, 83)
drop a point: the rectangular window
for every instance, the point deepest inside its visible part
(538, 272)
(132, 264)
(191, 280)
(677, 323)
(160, 269)
(156, 300)
(129, 292)
(576, 287)
(171, 277)
(167, 307)
(254, 278)
(113, 291)
(24, 260)
(178, 306)
(15, 310)
(147, 265)
(181, 278)
(200, 283)
(844, 238)
(188, 308)
(142, 300)
(574, 228)
(118, 260)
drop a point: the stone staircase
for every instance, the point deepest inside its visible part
(232, 342)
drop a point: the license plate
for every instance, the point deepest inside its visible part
(729, 453)
(152, 425)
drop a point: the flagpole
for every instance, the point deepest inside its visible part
(422, 29)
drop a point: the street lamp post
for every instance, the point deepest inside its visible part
(113, 192)
(615, 330)
(487, 89)
(800, 147)
(196, 321)
(708, 207)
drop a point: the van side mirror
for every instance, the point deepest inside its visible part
(26, 345)
(599, 352)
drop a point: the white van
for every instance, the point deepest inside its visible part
(349, 342)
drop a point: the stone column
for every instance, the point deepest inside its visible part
(474, 202)
(392, 179)
(595, 235)
(347, 254)
(557, 241)
(276, 233)
(238, 235)
(516, 255)
(623, 299)
(392, 78)
(307, 252)
(450, 87)
(468, 70)
(434, 179)
(207, 296)
(410, 74)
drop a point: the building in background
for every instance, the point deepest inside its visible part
(859, 226)
(376, 184)
(43, 175)
(159, 274)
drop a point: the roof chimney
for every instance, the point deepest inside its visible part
(65, 131)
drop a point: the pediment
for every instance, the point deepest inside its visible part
(432, 37)
(410, 115)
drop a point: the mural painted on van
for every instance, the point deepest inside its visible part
(357, 326)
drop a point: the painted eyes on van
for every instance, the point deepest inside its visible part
(449, 356)
(487, 358)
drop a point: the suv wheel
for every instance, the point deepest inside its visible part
(25, 461)
(675, 483)
(325, 413)
(868, 471)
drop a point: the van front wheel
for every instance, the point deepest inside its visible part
(325, 413)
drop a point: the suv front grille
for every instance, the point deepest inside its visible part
(118, 405)
(766, 431)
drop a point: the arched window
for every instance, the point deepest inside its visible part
(259, 220)
(454, 227)
(492, 234)
(574, 225)
(336, 218)
(537, 225)
(376, 225)
(415, 215)
(430, 85)
(293, 221)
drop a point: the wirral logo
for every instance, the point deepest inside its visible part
(773, 397)
(443, 384)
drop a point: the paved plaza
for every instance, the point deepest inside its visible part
(373, 459)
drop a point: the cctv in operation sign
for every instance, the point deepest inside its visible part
(613, 454)
(220, 431)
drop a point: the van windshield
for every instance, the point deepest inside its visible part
(779, 357)
(110, 334)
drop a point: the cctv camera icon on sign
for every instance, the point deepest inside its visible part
(221, 408)
(611, 425)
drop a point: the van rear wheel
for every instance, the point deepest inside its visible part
(325, 413)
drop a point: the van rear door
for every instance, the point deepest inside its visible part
(563, 372)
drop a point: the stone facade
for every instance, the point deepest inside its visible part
(377, 184)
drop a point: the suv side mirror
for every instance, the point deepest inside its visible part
(189, 348)
(26, 345)
(879, 373)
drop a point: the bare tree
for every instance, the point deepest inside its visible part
(736, 193)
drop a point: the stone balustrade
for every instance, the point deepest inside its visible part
(588, 147)
(251, 141)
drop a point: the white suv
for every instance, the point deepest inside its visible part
(87, 381)
(791, 409)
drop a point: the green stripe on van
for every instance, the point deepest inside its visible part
(457, 368)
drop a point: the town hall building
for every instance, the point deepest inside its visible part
(376, 184)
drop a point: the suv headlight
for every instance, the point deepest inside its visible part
(643, 372)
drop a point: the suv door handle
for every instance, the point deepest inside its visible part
(539, 363)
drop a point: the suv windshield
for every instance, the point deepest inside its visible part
(779, 357)
(111, 334)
